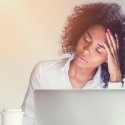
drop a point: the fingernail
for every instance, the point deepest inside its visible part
(108, 31)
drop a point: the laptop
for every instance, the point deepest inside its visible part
(79, 107)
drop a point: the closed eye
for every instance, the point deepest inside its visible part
(86, 40)
(98, 50)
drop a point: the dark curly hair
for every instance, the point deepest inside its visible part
(107, 14)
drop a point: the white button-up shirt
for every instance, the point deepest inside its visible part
(54, 75)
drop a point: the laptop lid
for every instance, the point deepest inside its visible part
(79, 107)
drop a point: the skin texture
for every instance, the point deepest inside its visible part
(94, 47)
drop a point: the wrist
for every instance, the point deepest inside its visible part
(117, 77)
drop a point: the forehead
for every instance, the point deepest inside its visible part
(97, 32)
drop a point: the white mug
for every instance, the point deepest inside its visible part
(12, 116)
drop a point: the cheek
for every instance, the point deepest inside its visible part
(98, 59)
(79, 46)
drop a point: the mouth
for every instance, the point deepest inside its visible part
(82, 58)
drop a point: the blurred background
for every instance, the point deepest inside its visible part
(30, 31)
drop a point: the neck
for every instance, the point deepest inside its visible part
(81, 75)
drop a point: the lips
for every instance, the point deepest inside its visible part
(82, 58)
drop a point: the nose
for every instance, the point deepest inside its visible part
(87, 50)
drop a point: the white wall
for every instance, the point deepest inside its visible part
(29, 31)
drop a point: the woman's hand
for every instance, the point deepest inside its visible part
(112, 49)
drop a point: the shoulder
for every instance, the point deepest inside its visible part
(50, 64)
(45, 69)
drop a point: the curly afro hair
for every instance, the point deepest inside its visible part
(83, 16)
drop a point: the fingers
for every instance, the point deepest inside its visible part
(107, 50)
(117, 45)
(109, 43)
(117, 42)
(111, 47)
(113, 44)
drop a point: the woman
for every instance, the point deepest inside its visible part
(94, 37)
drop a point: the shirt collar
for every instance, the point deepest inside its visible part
(67, 64)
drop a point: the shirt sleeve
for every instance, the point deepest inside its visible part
(117, 85)
(28, 103)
